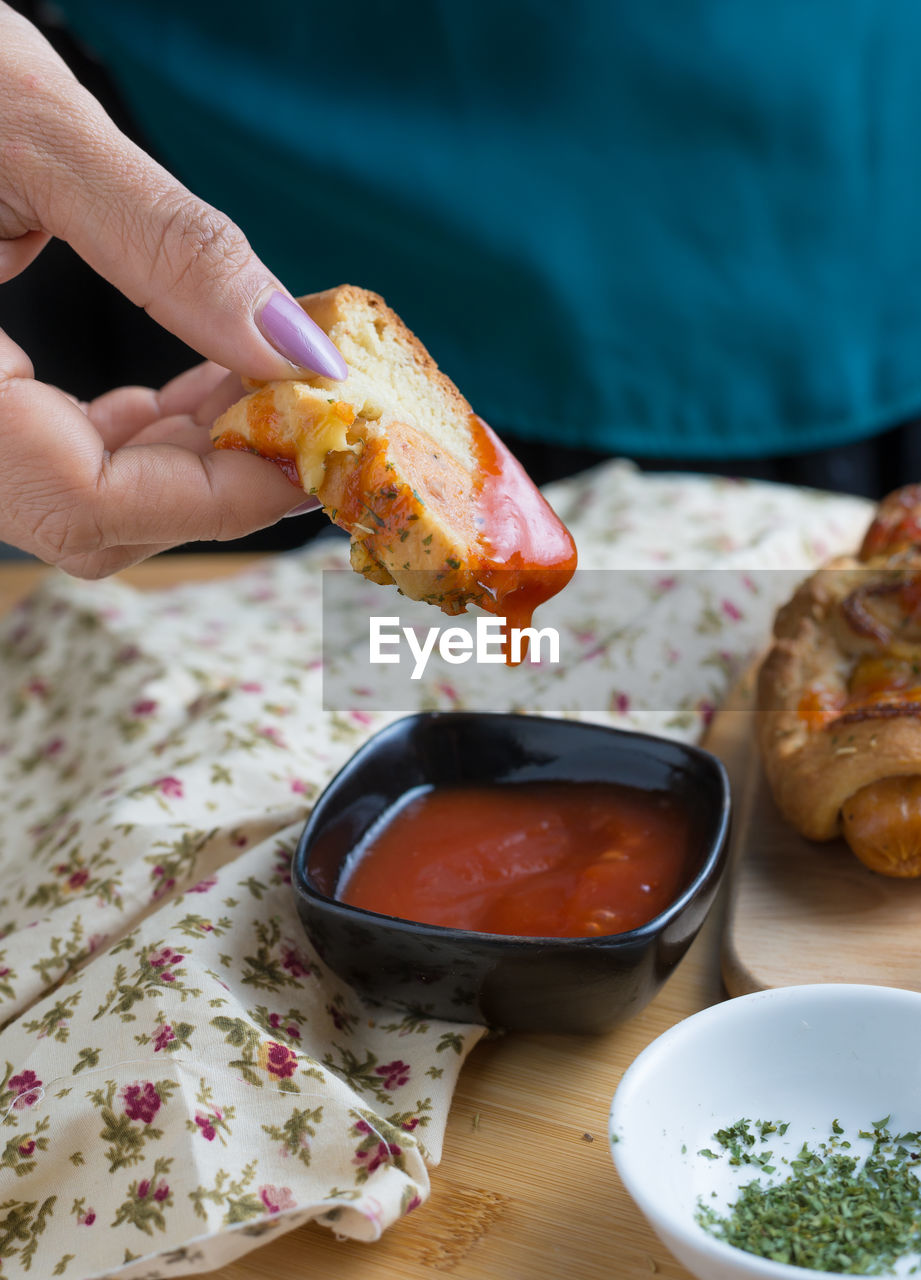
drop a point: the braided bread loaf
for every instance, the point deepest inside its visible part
(839, 696)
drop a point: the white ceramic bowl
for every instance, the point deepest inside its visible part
(808, 1055)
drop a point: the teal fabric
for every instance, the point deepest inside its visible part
(690, 227)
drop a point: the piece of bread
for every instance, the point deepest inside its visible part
(839, 696)
(394, 453)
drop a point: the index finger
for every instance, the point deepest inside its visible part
(70, 171)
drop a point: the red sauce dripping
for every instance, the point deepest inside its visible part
(528, 554)
(558, 859)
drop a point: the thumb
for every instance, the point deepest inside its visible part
(191, 268)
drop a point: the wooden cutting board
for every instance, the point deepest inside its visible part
(799, 911)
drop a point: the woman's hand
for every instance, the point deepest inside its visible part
(95, 487)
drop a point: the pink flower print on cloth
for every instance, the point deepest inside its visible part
(277, 1198)
(27, 1089)
(277, 1059)
(395, 1073)
(141, 1101)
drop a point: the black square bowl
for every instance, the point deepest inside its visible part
(516, 983)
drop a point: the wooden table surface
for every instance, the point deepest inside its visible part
(526, 1189)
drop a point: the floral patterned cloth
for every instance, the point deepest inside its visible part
(179, 1073)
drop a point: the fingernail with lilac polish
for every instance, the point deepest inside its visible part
(310, 505)
(291, 331)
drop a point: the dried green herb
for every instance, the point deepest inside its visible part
(738, 1140)
(832, 1213)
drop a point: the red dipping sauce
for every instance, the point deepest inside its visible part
(551, 860)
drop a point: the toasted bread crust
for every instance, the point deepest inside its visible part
(334, 306)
